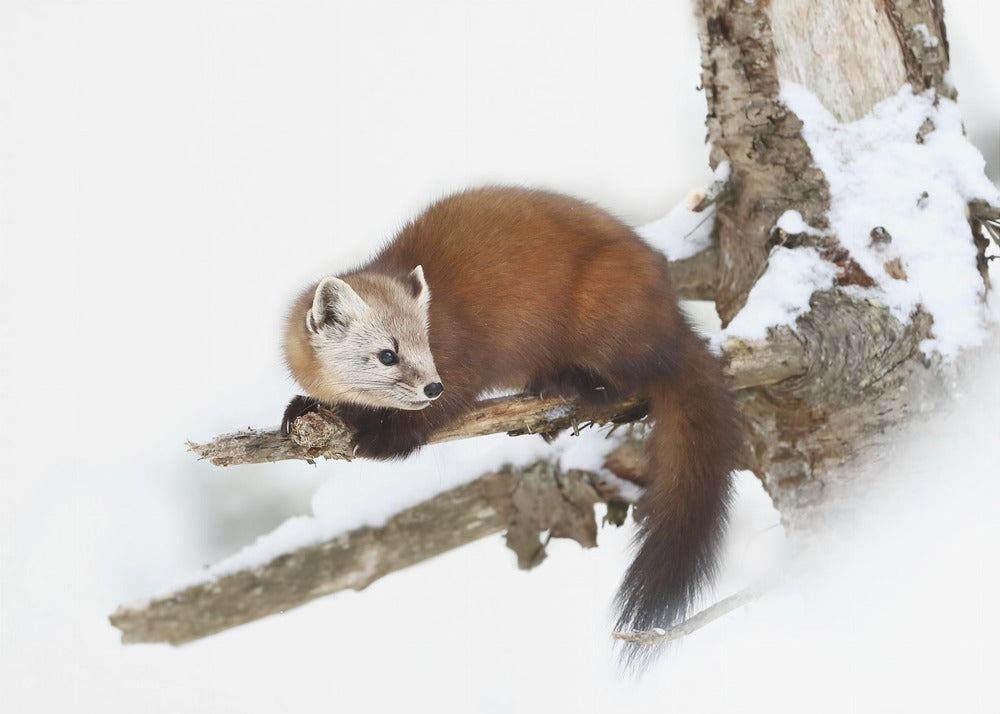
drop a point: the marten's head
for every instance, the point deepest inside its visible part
(365, 343)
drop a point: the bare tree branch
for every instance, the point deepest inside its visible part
(750, 364)
(660, 636)
(694, 278)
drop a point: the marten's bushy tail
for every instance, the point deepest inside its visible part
(695, 445)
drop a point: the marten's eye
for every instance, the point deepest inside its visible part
(388, 358)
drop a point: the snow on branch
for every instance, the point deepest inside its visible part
(525, 502)
(749, 364)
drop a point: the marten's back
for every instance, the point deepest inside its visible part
(524, 279)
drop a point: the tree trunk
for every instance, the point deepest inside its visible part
(866, 371)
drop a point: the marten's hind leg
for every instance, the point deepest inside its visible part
(578, 384)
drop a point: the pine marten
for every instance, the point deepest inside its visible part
(524, 289)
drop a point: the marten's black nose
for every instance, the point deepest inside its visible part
(433, 390)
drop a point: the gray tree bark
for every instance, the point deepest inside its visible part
(865, 373)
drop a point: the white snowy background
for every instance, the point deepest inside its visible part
(172, 172)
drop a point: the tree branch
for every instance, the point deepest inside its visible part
(749, 364)
(694, 623)
(694, 278)
(525, 502)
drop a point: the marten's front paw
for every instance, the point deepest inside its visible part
(297, 407)
(377, 435)
(383, 444)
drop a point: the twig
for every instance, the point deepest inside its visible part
(717, 191)
(660, 636)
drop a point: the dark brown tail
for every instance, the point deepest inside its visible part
(695, 445)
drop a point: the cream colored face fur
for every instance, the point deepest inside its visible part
(349, 328)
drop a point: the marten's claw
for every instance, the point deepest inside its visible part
(297, 407)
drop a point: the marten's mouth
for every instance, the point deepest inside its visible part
(417, 404)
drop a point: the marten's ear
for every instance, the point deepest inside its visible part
(335, 303)
(417, 286)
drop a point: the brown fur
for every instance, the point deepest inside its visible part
(537, 290)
